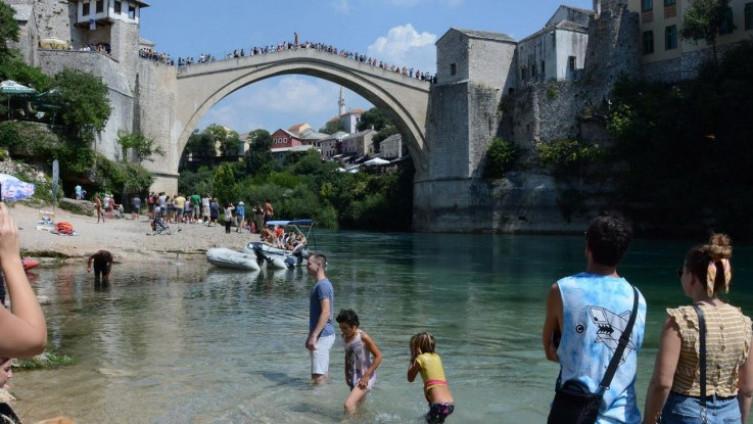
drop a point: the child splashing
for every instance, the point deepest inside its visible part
(362, 358)
(429, 364)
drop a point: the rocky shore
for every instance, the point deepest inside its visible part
(125, 238)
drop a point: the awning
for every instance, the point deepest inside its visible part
(12, 87)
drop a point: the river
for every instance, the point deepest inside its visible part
(189, 343)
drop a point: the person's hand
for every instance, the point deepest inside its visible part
(9, 246)
(311, 343)
(363, 383)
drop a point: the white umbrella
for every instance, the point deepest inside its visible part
(376, 162)
(12, 87)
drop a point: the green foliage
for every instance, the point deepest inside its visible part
(14, 68)
(224, 183)
(143, 147)
(683, 152)
(121, 178)
(30, 140)
(228, 141)
(375, 118)
(8, 29)
(199, 181)
(568, 158)
(259, 157)
(500, 158)
(85, 103)
(705, 19)
(46, 360)
(332, 126)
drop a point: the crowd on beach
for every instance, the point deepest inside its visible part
(409, 72)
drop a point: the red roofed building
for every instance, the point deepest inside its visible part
(282, 139)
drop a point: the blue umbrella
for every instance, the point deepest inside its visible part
(14, 189)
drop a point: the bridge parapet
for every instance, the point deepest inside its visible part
(276, 58)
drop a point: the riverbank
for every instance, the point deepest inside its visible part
(126, 239)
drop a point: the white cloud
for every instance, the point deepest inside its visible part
(404, 46)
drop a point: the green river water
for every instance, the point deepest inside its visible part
(187, 343)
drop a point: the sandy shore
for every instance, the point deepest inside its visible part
(125, 238)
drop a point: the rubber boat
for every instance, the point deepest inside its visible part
(279, 258)
(231, 259)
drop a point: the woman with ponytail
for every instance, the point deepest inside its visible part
(675, 393)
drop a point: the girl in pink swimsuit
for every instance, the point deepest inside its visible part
(362, 358)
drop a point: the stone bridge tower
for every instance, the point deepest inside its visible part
(474, 70)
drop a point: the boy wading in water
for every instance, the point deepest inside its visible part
(102, 265)
(321, 329)
(362, 358)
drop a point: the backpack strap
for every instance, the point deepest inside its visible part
(702, 358)
(624, 340)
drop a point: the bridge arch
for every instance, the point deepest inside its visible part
(200, 87)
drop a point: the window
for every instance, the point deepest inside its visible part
(647, 5)
(670, 37)
(728, 22)
(668, 3)
(524, 73)
(86, 9)
(543, 69)
(131, 11)
(118, 7)
(571, 63)
(453, 69)
(648, 42)
(748, 16)
(100, 6)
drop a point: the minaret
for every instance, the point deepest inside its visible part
(341, 103)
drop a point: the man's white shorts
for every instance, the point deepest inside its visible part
(320, 356)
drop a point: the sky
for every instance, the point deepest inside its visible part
(400, 32)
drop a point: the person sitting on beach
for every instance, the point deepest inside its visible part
(425, 360)
(362, 358)
(675, 388)
(102, 261)
(586, 315)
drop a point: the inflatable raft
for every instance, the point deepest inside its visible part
(231, 259)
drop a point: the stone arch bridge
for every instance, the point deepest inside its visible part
(198, 87)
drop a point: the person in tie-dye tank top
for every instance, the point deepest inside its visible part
(586, 315)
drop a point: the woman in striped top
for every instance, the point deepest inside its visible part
(674, 393)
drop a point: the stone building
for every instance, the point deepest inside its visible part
(391, 147)
(666, 56)
(557, 52)
(358, 144)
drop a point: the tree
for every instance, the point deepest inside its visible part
(259, 156)
(332, 126)
(705, 19)
(225, 184)
(200, 147)
(8, 30)
(143, 147)
(500, 158)
(374, 118)
(85, 106)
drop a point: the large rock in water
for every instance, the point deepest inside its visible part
(81, 207)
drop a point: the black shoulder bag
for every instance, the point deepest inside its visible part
(702, 359)
(573, 402)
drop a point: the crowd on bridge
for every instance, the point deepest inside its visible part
(153, 55)
(409, 72)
